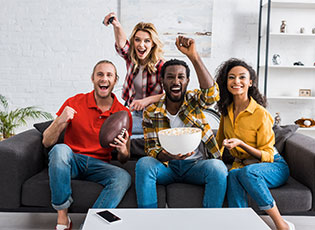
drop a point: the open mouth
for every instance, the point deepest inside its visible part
(176, 89)
(104, 87)
(141, 52)
(236, 87)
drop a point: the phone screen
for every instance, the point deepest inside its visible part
(108, 216)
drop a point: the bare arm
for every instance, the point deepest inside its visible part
(142, 103)
(120, 36)
(234, 142)
(187, 47)
(52, 133)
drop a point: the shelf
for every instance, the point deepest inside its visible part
(307, 129)
(291, 4)
(288, 67)
(290, 98)
(305, 35)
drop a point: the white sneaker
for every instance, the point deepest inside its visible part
(291, 225)
(65, 227)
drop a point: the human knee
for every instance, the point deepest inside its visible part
(217, 167)
(145, 165)
(60, 153)
(249, 172)
(233, 175)
(119, 178)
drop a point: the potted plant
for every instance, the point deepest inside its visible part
(9, 120)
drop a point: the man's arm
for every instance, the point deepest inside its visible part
(187, 47)
(123, 147)
(52, 133)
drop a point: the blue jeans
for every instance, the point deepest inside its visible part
(137, 130)
(65, 165)
(256, 179)
(212, 173)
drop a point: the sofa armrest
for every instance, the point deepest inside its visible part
(300, 156)
(20, 158)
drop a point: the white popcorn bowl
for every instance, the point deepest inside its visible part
(187, 140)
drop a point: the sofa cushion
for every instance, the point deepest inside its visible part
(282, 133)
(182, 195)
(291, 197)
(137, 148)
(36, 191)
(41, 127)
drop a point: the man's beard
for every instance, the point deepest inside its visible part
(172, 99)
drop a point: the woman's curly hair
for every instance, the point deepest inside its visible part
(226, 98)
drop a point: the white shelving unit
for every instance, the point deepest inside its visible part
(281, 83)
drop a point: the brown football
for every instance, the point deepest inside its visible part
(113, 126)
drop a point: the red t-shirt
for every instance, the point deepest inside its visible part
(82, 132)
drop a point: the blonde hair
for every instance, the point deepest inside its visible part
(156, 53)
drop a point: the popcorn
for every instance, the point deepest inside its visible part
(179, 131)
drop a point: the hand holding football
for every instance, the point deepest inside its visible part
(113, 126)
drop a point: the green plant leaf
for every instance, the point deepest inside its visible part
(9, 120)
(4, 102)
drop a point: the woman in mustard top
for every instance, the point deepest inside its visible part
(246, 131)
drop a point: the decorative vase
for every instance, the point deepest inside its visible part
(277, 119)
(276, 59)
(283, 27)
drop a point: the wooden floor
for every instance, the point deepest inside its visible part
(43, 221)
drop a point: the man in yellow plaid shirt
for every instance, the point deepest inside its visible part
(181, 108)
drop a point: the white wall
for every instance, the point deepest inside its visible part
(48, 48)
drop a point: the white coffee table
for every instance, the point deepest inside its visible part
(182, 219)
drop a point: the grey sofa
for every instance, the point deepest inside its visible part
(24, 184)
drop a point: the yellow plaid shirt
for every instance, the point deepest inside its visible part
(155, 119)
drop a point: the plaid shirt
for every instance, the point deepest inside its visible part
(155, 119)
(151, 83)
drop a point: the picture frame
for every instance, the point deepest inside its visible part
(171, 20)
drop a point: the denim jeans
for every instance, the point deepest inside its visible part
(256, 179)
(212, 173)
(137, 130)
(65, 165)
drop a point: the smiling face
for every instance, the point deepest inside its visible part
(175, 82)
(143, 45)
(238, 81)
(104, 79)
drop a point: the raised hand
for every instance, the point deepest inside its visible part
(186, 46)
(67, 114)
(114, 21)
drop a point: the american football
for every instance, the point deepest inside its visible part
(112, 127)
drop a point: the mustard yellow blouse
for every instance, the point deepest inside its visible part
(254, 127)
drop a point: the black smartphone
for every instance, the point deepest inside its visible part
(108, 216)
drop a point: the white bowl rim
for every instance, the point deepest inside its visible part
(165, 130)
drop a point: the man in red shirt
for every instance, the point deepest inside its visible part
(81, 155)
